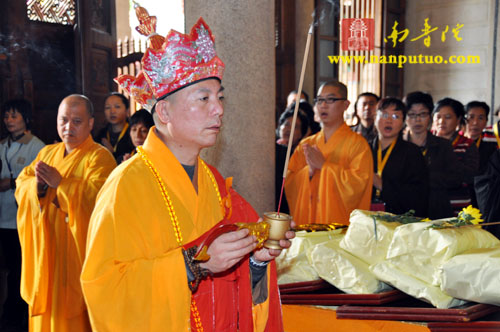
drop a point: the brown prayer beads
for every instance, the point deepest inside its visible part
(199, 273)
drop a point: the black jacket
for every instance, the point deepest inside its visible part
(488, 193)
(123, 146)
(444, 174)
(405, 184)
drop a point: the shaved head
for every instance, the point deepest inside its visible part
(74, 121)
(342, 89)
(76, 99)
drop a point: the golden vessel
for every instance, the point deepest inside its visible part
(280, 224)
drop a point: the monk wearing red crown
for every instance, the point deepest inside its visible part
(142, 271)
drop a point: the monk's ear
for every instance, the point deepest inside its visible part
(162, 111)
(346, 104)
(91, 123)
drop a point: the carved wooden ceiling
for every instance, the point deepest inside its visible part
(52, 11)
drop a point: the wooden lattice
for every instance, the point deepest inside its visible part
(52, 11)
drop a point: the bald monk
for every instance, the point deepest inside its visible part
(56, 195)
(330, 173)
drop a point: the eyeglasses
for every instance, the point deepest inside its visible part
(413, 116)
(384, 115)
(329, 100)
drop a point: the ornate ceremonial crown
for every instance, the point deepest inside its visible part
(171, 63)
(138, 88)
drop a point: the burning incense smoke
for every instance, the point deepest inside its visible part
(325, 9)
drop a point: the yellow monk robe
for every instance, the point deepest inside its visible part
(343, 184)
(53, 239)
(134, 276)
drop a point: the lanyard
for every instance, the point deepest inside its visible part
(7, 160)
(422, 149)
(455, 140)
(381, 162)
(495, 130)
(478, 142)
(122, 133)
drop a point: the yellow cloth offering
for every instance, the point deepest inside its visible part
(473, 275)
(406, 282)
(366, 239)
(421, 251)
(293, 264)
(343, 270)
(416, 256)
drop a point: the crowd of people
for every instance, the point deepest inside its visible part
(416, 157)
(400, 156)
(101, 233)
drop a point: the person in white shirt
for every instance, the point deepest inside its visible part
(17, 150)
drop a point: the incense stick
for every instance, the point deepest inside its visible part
(295, 111)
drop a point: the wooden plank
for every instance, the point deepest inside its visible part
(429, 314)
(465, 327)
(319, 292)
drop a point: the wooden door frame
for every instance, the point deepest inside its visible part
(95, 49)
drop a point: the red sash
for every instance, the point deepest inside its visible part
(224, 301)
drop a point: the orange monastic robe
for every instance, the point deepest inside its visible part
(134, 276)
(53, 239)
(343, 184)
